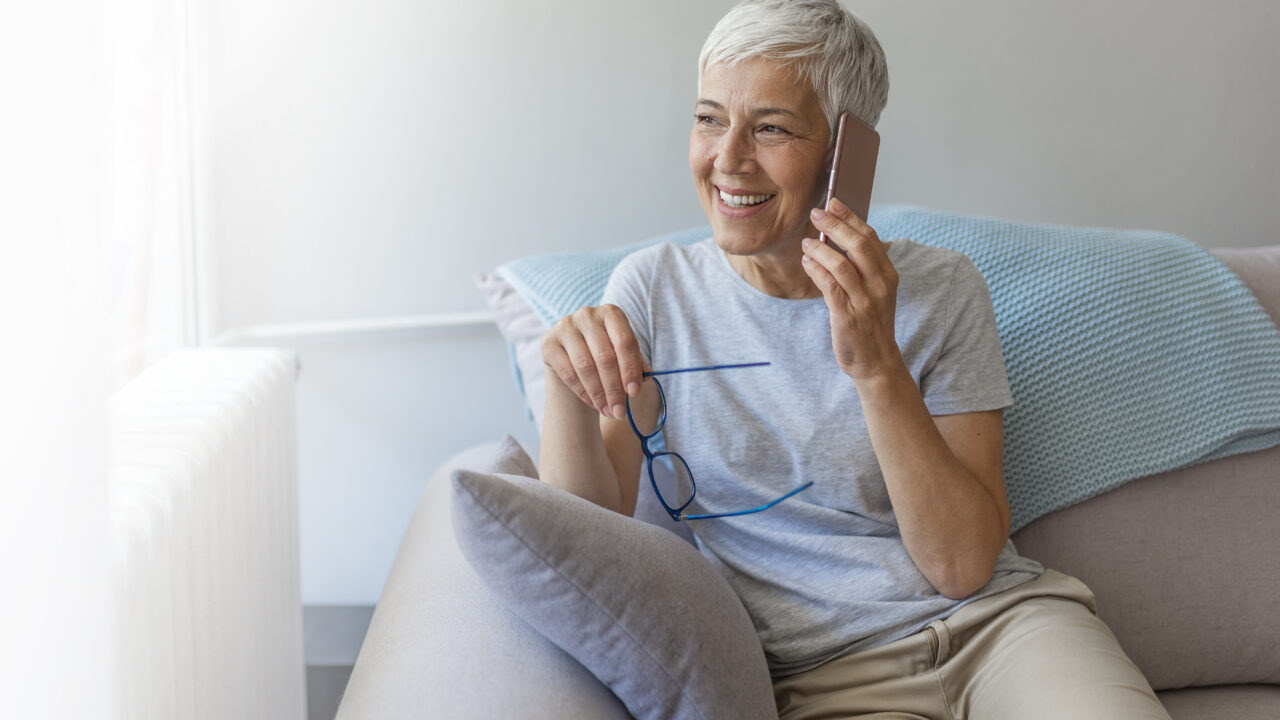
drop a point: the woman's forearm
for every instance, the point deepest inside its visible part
(950, 523)
(572, 455)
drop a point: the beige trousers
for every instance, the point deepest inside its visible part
(1034, 651)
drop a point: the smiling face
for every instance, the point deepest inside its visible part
(759, 152)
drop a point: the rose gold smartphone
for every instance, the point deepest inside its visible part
(853, 168)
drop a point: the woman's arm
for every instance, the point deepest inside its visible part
(573, 455)
(588, 447)
(944, 475)
(945, 480)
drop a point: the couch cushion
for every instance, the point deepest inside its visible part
(1259, 268)
(1216, 703)
(639, 607)
(441, 645)
(1185, 566)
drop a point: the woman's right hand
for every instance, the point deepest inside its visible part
(595, 354)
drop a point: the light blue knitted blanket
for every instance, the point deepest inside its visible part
(1129, 352)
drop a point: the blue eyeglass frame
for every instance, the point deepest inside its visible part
(678, 514)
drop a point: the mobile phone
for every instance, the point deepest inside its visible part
(853, 168)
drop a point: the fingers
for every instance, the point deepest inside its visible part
(567, 353)
(865, 266)
(858, 239)
(836, 293)
(843, 284)
(631, 364)
(835, 275)
(596, 354)
(607, 370)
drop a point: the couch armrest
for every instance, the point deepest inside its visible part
(440, 645)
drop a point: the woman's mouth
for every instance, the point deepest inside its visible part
(741, 203)
(742, 200)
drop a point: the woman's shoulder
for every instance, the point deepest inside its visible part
(931, 267)
(920, 259)
(668, 256)
(936, 281)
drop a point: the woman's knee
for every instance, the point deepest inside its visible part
(1048, 658)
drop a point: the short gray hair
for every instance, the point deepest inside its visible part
(829, 47)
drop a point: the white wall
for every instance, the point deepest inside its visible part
(1141, 113)
(365, 159)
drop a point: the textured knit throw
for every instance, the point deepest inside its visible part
(1129, 352)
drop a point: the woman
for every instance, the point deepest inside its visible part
(890, 585)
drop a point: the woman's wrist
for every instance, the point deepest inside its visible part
(565, 404)
(573, 456)
(884, 386)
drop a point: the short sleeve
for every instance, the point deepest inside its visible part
(628, 288)
(969, 375)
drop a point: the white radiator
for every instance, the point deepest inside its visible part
(204, 521)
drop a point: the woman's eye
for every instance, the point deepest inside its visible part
(706, 120)
(771, 129)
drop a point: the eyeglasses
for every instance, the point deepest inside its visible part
(677, 513)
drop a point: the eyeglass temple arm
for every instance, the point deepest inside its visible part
(766, 506)
(706, 367)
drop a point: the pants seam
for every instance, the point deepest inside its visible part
(942, 690)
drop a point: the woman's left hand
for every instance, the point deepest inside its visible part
(861, 291)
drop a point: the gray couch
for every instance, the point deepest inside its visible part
(1185, 566)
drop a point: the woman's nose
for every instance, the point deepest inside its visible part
(735, 153)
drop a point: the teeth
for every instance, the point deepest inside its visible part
(742, 200)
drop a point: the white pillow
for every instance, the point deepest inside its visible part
(523, 331)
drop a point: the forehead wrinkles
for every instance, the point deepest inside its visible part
(753, 86)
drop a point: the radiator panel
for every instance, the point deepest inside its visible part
(204, 497)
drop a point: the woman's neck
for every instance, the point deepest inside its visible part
(778, 274)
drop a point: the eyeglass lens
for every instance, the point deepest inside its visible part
(674, 480)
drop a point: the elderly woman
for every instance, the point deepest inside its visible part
(890, 585)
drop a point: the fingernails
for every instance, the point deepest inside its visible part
(805, 243)
(606, 411)
(819, 213)
(837, 205)
(633, 388)
(619, 411)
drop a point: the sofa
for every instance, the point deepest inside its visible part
(1185, 566)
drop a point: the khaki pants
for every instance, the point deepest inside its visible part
(1034, 651)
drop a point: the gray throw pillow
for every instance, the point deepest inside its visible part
(636, 605)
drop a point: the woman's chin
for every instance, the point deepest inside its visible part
(736, 241)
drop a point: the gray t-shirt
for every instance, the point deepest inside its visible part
(825, 572)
